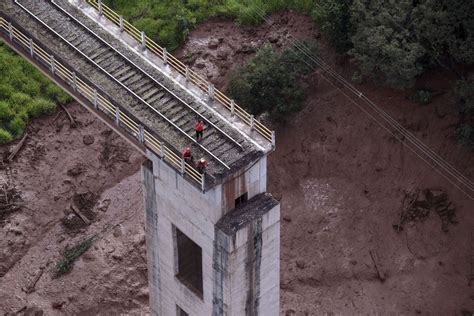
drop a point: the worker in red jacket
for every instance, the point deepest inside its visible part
(199, 127)
(201, 165)
(188, 155)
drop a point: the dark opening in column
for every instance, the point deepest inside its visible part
(189, 263)
(241, 199)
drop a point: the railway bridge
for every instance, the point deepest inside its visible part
(213, 236)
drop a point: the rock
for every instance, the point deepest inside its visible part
(317, 35)
(57, 305)
(222, 54)
(88, 140)
(200, 65)
(300, 264)
(118, 231)
(33, 311)
(273, 38)
(76, 171)
(287, 218)
(247, 48)
(213, 44)
(104, 205)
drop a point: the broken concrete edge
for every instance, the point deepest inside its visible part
(243, 215)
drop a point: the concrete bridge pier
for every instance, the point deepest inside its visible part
(212, 253)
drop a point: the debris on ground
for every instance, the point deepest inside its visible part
(80, 213)
(17, 148)
(76, 170)
(417, 206)
(10, 200)
(377, 265)
(112, 153)
(30, 287)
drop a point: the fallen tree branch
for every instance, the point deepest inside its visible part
(375, 260)
(71, 119)
(81, 216)
(17, 148)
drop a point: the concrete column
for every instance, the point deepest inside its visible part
(151, 231)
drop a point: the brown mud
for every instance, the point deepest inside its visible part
(342, 182)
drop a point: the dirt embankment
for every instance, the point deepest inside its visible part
(344, 185)
(97, 172)
(342, 179)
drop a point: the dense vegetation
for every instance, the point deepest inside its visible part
(169, 21)
(24, 93)
(270, 83)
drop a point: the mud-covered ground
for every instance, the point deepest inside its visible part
(340, 178)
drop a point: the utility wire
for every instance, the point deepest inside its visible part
(311, 60)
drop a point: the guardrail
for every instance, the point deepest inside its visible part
(182, 69)
(100, 101)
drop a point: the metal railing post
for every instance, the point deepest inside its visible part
(182, 166)
(186, 76)
(211, 91)
(165, 56)
(74, 81)
(143, 40)
(10, 30)
(203, 183)
(162, 151)
(117, 115)
(32, 48)
(53, 64)
(273, 139)
(121, 24)
(100, 8)
(141, 134)
(232, 108)
(95, 99)
(252, 119)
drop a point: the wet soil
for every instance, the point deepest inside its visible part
(340, 178)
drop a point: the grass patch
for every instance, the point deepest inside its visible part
(25, 93)
(70, 255)
(168, 22)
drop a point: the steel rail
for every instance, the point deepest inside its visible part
(148, 75)
(94, 95)
(124, 86)
(199, 81)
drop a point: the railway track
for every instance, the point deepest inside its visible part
(218, 145)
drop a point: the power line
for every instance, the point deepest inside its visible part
(305, 54)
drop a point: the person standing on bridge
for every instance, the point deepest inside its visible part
(201, 165)
(199, 127)
(188, 155)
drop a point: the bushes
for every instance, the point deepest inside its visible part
(70, 255)
(24, 93)
(5, 136)
(270, 83)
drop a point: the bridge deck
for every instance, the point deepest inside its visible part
(141, 89)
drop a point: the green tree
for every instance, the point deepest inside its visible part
(333, 16)
(384, 44)
(446, 30)
(270, 83)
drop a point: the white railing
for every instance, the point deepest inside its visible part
(183, 70)
(100, 101)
